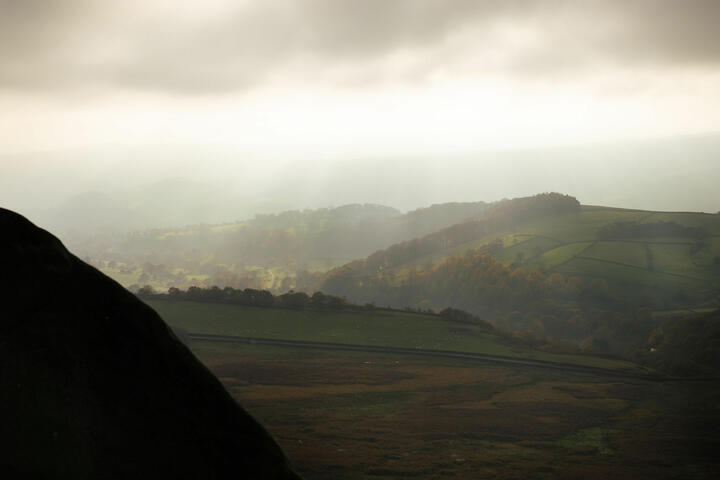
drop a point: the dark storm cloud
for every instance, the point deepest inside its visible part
(61, 43)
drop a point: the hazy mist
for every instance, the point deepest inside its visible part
(135, 188)
(150, 113)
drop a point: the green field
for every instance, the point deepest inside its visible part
(562, 254)
(669, 263)
(377, 328)
(628, 276)
(582, 226)
(526, 248)
(674, 259)
(569, 244)
(626, 253)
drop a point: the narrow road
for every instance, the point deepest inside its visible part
(428, 353)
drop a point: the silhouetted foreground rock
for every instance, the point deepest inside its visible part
(94, 385)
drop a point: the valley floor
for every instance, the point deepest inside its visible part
(355, 415)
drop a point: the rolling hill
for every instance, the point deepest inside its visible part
(550, 269)
(681, 260)
(276, 252)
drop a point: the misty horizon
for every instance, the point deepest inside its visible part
(209, 186)
(264, 108)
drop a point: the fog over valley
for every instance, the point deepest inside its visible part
(344, 239)
(123, 189)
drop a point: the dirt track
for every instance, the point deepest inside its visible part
(432, 353)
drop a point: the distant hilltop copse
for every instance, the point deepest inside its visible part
(95, 385)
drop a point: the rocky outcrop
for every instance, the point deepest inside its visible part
(93, 384)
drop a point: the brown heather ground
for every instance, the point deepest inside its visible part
(350, 415)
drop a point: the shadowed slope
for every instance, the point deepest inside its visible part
(94, 384)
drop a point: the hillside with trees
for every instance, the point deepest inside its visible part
(276, 252)
(549, 270)
(498, 217)
(545, 269)
(688, 346)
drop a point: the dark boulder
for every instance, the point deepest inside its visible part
(93, 384)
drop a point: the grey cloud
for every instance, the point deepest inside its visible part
(60, 43)
(668, 31)
(245, 46)
(38, 40)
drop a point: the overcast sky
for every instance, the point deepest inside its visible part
(337, 80)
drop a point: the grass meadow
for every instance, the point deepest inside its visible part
(377, 328)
